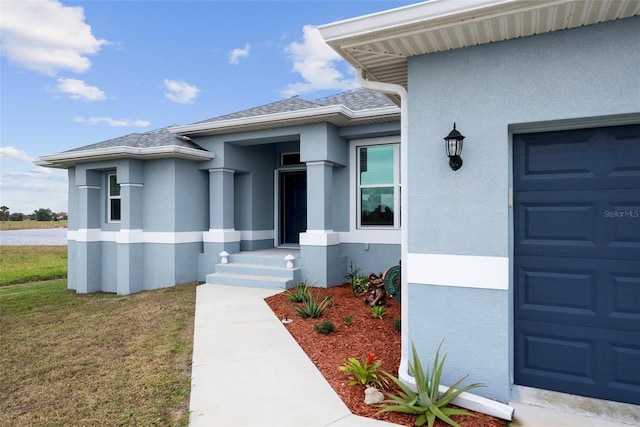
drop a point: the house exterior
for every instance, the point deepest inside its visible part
(526, 260)
(155, 209)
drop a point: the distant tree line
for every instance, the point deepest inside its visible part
(37, 215)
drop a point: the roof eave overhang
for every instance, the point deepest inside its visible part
(71, 158)
(397, 20)
(381, 43)
(338, 115)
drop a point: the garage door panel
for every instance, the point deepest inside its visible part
(583, 361)
(597, 223)
(577, 262)
(624, 298)
(622, 223)
(549, 353)
(574, 160)
(625, 376)
(626, 160)
(602, 293)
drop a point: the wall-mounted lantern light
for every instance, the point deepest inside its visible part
(453, 145)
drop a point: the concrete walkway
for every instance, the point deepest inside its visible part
(249, 371)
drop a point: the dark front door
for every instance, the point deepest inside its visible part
(577, 262)
(293, 206)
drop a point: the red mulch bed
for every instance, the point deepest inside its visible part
(365, 334)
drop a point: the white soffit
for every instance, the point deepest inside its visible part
(381, 43)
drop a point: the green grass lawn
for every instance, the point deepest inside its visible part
(98, 359)
(28, 224)
(21, 264)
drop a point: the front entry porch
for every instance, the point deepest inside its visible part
(266, 269)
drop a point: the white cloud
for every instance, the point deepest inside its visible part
(112, 122)
(78, 89)
(27, 190)
(39, 172)
(236, 54)
(47, 36)
(11, 152)
(180, 92)
(318, 65)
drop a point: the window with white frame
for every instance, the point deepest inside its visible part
(378, 185)
(113, 196)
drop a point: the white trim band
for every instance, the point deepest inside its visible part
(319, 238)
(89, 187)
(319, 163)
(134, 236)
(221, 236)
(468, 271)
(131, 185)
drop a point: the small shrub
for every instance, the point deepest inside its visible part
(299, 293)
(378, 311)
(357, 282)
(312, 308)
(360, 285)
(348, 320)
(324, 328)
(397, 324)
(365, 373)
(427, 403)
(354, 272)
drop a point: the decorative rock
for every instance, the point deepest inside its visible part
(224, 255)
(373, 396)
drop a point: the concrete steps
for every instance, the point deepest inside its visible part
(258, 269)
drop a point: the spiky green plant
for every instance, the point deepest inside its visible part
(427, 403)
(365, 373)
(299, 293)
(378, 311)
(312, 307)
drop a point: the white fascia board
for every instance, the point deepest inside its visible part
(434, 10)
(274, 117)
(376, 112)
(331, 110)
(98, 154)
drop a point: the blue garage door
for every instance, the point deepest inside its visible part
(577, 262)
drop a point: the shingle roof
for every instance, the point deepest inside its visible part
(156, 138)
(357, 99)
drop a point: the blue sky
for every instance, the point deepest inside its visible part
(78, 72)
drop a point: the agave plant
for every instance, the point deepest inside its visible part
(427, 403)
(299, 293)
(312, 307)
(378, 311)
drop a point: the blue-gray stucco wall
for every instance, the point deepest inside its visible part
(370, 258)
(168, 196)
(175, 196)
(562, 75)
(489, 91)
